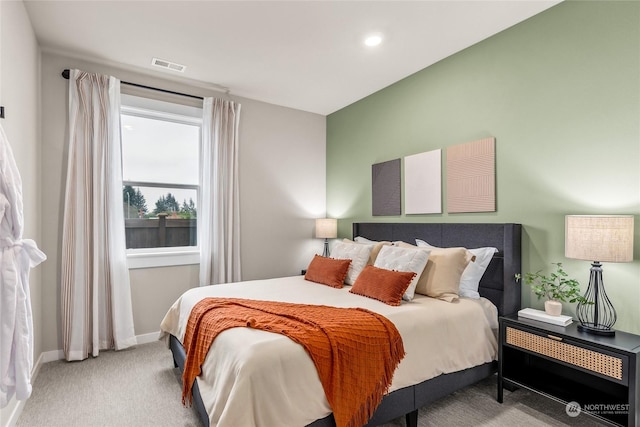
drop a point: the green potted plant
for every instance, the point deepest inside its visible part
(556, 288)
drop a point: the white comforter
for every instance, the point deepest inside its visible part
(252, 377)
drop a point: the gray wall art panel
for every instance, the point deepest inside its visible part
(385, 187)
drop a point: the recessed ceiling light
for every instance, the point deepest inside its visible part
(373, 40)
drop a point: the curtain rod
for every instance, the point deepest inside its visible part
(65, 74)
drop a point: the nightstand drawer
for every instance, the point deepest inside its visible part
(583, 357)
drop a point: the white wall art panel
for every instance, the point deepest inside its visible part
(423, 183)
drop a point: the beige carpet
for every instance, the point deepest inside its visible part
(140, 387)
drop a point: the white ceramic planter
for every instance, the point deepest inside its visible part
(553, 308)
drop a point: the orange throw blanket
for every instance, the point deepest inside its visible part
(354, 350)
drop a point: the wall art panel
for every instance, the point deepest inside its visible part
(471, 177)
(423, 183)
(385, 188)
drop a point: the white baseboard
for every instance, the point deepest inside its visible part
(147, 338)
(51, 356)
(15, 406)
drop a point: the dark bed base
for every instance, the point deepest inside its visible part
(179, 357)
(410, 399)
(499, 285)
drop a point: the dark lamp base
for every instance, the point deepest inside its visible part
(590, 328)
(325, 253)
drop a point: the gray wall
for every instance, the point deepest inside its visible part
(19, 83)
(282, 189)
(560, 92)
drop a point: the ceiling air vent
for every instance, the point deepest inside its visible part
(168, 65)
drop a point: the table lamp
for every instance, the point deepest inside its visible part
(598, 238)
(326, 228)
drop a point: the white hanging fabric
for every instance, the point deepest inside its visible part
(17, 257)
(219, 212)
(96, 296)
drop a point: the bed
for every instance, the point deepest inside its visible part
(408, 392)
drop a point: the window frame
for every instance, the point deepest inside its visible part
(176, 113)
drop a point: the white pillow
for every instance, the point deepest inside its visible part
(403, 259)
(360, 239)
(357, 253)
(470, 279)
(375, 246)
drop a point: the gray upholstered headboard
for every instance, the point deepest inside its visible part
(498, 284)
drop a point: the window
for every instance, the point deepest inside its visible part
(160, 170)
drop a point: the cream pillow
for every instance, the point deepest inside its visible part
(470, 279)
(403, 259)
(358, 254)
(441, 276)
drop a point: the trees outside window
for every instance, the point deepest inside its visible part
(134, 202)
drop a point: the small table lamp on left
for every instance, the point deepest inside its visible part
(326, 228)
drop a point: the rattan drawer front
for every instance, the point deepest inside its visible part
(588, 359)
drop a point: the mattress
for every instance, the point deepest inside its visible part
(253, 377)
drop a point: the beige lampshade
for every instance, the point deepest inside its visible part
(603, 238)
(326, 228)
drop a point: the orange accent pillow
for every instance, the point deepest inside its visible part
(386, 286)
(327, 271)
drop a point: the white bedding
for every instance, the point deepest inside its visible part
(252, 377)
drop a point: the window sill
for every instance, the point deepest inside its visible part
(137, 259)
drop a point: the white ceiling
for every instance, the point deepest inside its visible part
(307, 55)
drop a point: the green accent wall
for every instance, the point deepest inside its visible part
(560, 92)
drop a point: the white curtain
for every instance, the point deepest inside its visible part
(219, 213)
(96, 297)
(17, 256)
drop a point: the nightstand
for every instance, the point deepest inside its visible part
(599, 373)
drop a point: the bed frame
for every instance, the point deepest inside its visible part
(499, 285)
